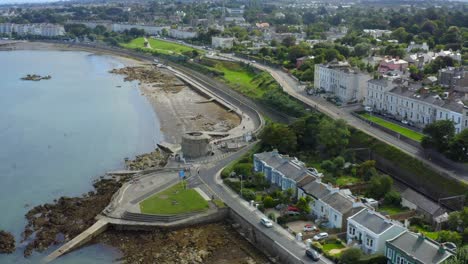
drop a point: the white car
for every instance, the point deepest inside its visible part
(266, 222)
(320, 236)
(404, 122)
(309, 228)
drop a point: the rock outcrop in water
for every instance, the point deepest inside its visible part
(7, 242)
(150, 160)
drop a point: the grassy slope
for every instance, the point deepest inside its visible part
(162, 203)
(402, 130)
(161, 46)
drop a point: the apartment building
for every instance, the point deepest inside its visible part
(416, 104)
(222, 43)
(46, 30)
(339, 79)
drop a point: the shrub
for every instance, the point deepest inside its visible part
(392, 198)
(261, 208)
(244, 169)
(234, 185)
(268, 202)
(373, 259)
(350, 256)
(272, 216)
(317, 246)
(449, 236)
(248, 194)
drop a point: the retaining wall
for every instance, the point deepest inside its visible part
(218, 216)
(261, 241)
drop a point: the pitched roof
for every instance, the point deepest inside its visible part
(422, 202)
(339, 202)
(316, 189)
(372, 220)
(422, 249)
(292, 171)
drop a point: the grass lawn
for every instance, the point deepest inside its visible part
(165, 47)
(392, 210)
(240, 78)
(328, 247)
(347, 180)
(397, 128)
(429, 234)
(174, 200)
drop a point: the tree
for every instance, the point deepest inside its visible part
(279, 136)
(248, 194)
(350, 256)
(303, 204)
(449, 236)
(379, 186)
(438, 135)
(244, 169)
(268, 202)
(458, 150)
(460, 258)
(392, 198)
(333, 135)
(361, 49)
(367, 169)
(289, 41)
(400, 34)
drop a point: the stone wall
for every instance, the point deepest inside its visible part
(261, 241)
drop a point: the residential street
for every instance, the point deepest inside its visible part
(277, 233)
(291, 87)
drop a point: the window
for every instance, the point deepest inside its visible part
(336, 217)
(321, 209)
(352, 231)
(389, 253)
(369, 242)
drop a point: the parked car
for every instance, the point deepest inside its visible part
(368, 108)
(266, 222)
(320, 236)
(404, 122)
(311, 253)
(291, 213)
(310, 228)
(293, 208)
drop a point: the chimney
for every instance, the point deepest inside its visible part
(421, 237)
(441, 249)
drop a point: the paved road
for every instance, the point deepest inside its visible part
(277, 233)
(291, 87)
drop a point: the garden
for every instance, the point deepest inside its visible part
(409, 133)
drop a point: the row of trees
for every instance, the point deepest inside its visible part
(441, 136)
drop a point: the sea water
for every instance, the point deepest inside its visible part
(58, 135)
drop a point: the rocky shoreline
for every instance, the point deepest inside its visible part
(61, 221)
(210, 244)
(7, 242)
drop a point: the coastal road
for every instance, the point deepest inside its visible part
(209, 177)
(291, 87)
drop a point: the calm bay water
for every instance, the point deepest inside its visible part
(58, 135)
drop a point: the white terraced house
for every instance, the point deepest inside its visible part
(339, 79)
(369, 230)
(416, 104)
(283, 171)
(329, 205)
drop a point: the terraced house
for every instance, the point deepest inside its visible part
(369, 230)
(283, 171)
(412, 248)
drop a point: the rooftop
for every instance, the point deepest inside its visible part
(420, 248)
(422, 202)
(317, 189)
(372, 220)
(339, 202)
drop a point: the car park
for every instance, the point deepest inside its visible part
(311, 253)
(266, 222)
(320, 236)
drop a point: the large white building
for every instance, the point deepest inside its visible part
(222, 43)
(416, 104)
(46, 30)
(183, 33)
(348, 84)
